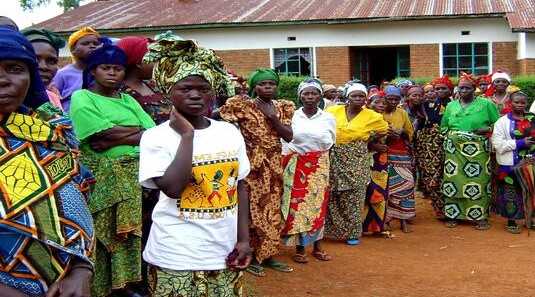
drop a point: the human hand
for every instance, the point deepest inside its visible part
(241, 256)
(482, 131)
(378, 147)
(179, 123)
(268, 109)
(529, 141)
(99, 145)
(75, 284)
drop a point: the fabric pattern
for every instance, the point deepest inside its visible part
(305, 197)
(156, 106)
(525, 175)
(376, 195)
(217, 283)
(44, 218)
(265, 179)
(350, 175)
(401, 204)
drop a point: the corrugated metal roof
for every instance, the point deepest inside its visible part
(127, 14)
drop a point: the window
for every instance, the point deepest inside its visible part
(466, 57)
(293, 61)
(403, 62)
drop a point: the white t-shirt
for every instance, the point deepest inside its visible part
(313, 134)
(199, 230)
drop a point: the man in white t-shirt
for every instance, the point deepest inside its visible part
(199, 239)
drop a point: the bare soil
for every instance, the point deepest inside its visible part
(431, 261)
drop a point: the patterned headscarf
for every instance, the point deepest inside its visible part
(444, 80)
(392, 91)
(468, 78)
(175, 59)
(83, 32)
(404, 82)
(43, 35)
(309, 83)
(259, 75)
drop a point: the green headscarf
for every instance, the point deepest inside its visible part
(259, 75)
(34, 35)
(175, 59)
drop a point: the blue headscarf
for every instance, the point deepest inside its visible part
(106, 54)
(14, 46)
(392, 91)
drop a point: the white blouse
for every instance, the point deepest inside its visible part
(313, 134)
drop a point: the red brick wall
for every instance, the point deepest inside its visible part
(424, 59)
(243, 62)
(504, 57)
(333, 64)
(526, 66)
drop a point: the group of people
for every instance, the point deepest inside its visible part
(145, 164)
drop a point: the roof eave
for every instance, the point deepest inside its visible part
(286, 23)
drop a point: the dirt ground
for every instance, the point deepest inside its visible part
(431, 261)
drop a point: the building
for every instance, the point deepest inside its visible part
(335, 40)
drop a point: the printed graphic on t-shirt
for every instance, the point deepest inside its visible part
(213, 188)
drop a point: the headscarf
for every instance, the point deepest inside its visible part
(485, 78)
(83, 32)
(415, 87)
(392, 91)
(43, 35)
(8, 23)
(328, 87)
(309, 83)
(468, 78)
(350, 88)
(135, 47)
(14, 46)
(444, 80)
(374, 96)
(106, 54)
(404, 82)
(501, 75)
(175, 59)
(428, 86)
(259, 75)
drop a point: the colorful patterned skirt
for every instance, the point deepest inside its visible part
(116, 209)
(466, 183)
(400, 202)
(305, 197)
(429, 155)
(376, 194)
(217, 283)
(350, 175)
(525, 176)
(509, 201)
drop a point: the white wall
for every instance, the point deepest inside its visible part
(526, 46)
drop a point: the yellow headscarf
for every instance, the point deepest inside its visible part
(83, 32)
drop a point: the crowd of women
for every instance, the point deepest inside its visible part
(146, 167)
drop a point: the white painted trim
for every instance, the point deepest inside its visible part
(491, 57)
(271, 57)
(440, 60)
(314, 68)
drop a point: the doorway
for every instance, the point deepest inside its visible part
(373, 65)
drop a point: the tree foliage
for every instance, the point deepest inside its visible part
(66, 4)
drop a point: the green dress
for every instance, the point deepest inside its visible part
(466, 183)
(116, 200)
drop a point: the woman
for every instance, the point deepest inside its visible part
(377, 191)
(57, 238)
(467, 124)
(350, 164)
(497, 92)
(138, 75)
(413, 104)
(484, 82)
(109, 125)
(306, 174)
(263, 121)
(401, 205)
(513, 138)
(70, 78)
(46, 45)
(200, 238)
(429, 93)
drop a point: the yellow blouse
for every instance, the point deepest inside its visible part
(399, 119)
(360, 127)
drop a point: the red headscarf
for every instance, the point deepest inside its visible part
(135, 48)
(468, 78)
(444, 80)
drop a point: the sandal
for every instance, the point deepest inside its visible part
(278, 266)
(482, 225)
(256, 270)
(322, 255)
(513, 229)
(300, 258)
(451, 223)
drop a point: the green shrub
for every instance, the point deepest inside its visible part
(288, 87)
(527, 84)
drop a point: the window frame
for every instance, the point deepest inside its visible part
(473, 56)
(312, 53)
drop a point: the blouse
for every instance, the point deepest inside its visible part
(480, 113)
(313, 134)
(360, 128)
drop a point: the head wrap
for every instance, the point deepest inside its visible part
(392, 91)
(43, 35)
(14, 46)
(259, 75)
(135, 47)
(501, 75)
(309, 83)
(328, 88)
(485, 79)
(8, 23)
(428, 87)
(468, 78)
(106, 54)
(414, 87)
(352, 87)
(444, 80)
(175, 59)
(375, 95)
(404, 82)
(83, 32)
